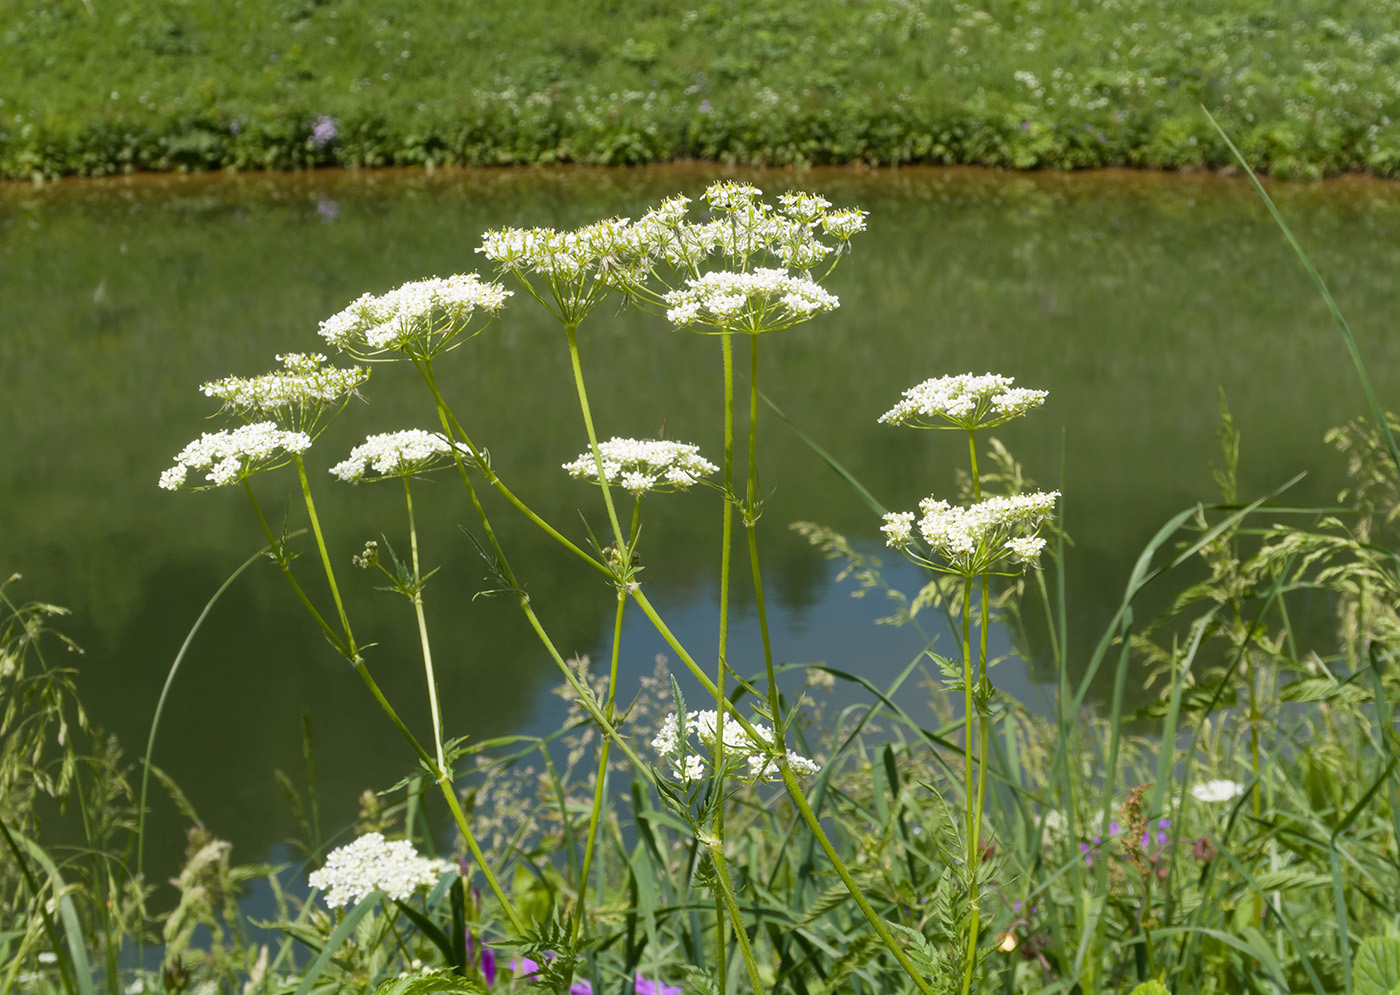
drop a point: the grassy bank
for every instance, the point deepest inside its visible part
(102, 86)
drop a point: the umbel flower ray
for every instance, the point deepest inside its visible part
(687, 765)
(371, 864)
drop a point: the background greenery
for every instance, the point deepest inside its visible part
(102, 86)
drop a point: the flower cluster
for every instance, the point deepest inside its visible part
(424, 314)
(975, 538)
(232, 455)
(373, 864)
(642, 465)
(963, 401)
(761, 300)
(689, 767)
(560, 256)
(304, 388)
(1222, 790)
(396, 454)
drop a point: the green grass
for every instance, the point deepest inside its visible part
(118, 85)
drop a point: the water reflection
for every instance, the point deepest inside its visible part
(1131, 297)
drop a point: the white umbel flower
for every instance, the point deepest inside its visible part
(976, 538)
(642, 465)
(233, 455)
(298, 393)
(425, 314)
(964, 401)
(760, 300)
(1222, 790)
(372, 864)
(396, 454)
(689, 765)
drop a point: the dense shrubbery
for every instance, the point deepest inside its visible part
(1308, 89)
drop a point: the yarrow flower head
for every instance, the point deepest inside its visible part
(689, 766)
(423, 316)
(761, 300)
(1223, 790)
(963, 401)
(372, 864)
(233, 455)
(295, 396)
(396, 454)
(974, 539)
(642, 465)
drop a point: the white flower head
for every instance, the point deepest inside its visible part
(643, 465)
(964, 401)
(977, 538)
(1222, 790)
(295, 395)
(761, 300)
(730, 195)
(231, 456)
(425, 315)
(396, 454)
(689, 764)
(372, 864)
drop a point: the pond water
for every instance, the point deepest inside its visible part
(1133, 298)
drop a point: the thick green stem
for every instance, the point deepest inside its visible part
(423, 629)
(809, 817)
(726, 889)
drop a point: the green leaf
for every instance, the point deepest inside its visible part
(423, 984)
(1150, 988)
(1377, 967)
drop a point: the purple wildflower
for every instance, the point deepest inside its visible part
(488, 965)
(524, 967)
(645, 987)
(705, 107)
(581, 987)
(323, 132)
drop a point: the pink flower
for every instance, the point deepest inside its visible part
(645, 987)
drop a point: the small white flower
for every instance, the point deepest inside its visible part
(48, 957)
(230, 456)
(643, 465)
(963, 401)
(1025, 548)
(372, 864)
(396, 454)
(1217, 791)
(898, 529)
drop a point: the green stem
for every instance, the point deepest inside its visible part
(592, 435)
(285, 565)
(606, 746)
(722, 661)
(325, 557)
(751, 512)
(809, 817)
(423, 629)
(726, 890)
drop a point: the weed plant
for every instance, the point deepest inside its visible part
(95, 88)
(1240, 834)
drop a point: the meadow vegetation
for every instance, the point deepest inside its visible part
(714, 830)
(95, 87)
